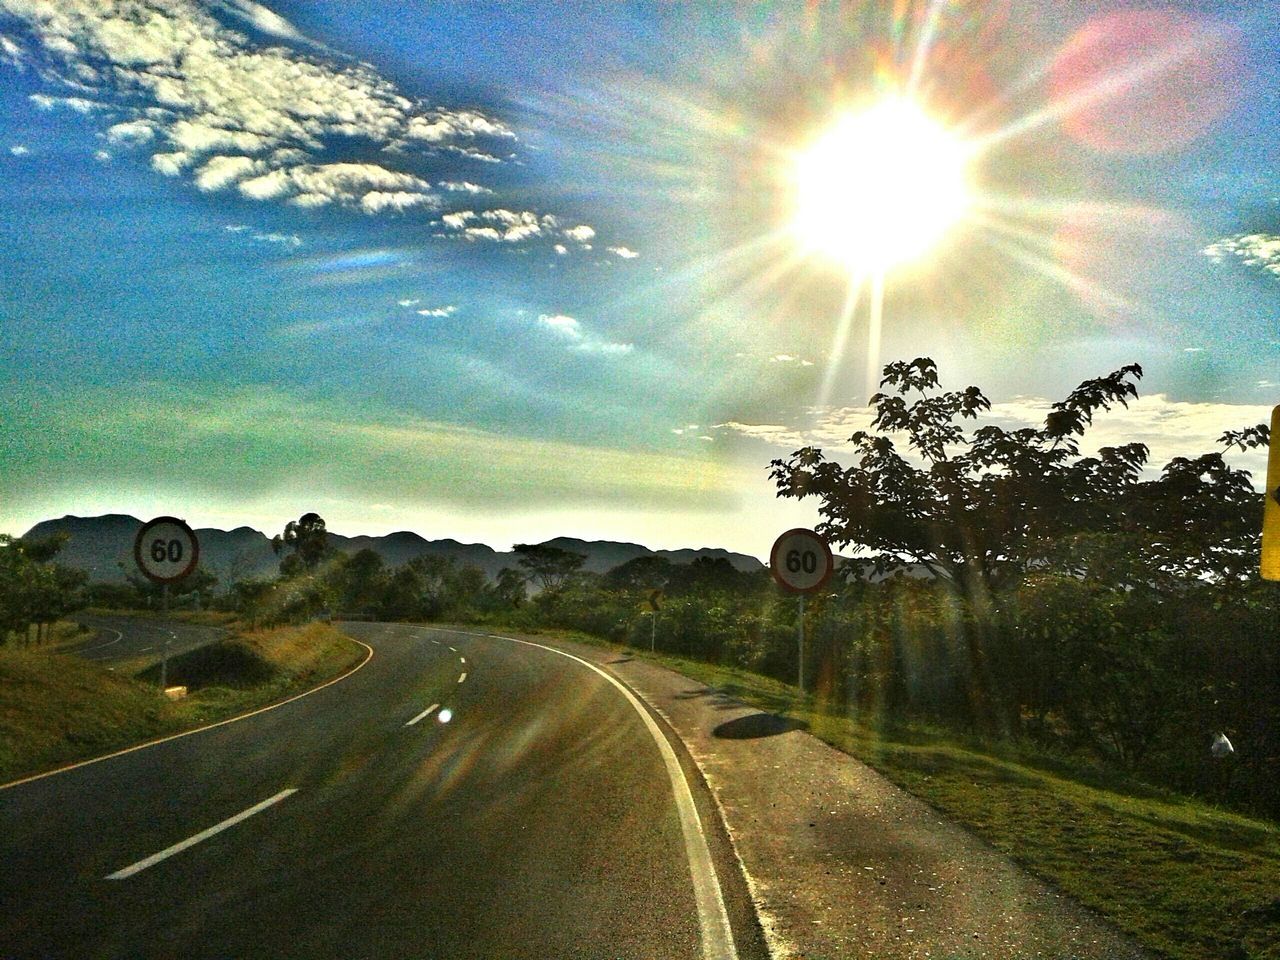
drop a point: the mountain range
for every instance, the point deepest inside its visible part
(103, 547)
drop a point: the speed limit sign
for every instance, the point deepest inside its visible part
(801, 561)
(166, 549)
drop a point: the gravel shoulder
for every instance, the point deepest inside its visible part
(842, 863)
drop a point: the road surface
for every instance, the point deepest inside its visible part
(541, 821)
(139, 639)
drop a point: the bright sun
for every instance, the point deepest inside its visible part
(880, 188)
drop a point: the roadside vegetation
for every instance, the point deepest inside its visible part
(57, 708)
(1070, 654)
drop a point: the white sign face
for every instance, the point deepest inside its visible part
(801, 561)
(166, 549)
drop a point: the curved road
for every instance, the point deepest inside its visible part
(539, 821)
(127, 638)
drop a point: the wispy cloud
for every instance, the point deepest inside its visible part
(510, 226)
(571, 330)
(291, 240)
(439, 312)
(624, 252)
(18, 150)
(1255, 249)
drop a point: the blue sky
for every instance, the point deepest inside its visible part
(503, 271)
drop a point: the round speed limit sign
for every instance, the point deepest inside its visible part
(801, 561)
(166, 549)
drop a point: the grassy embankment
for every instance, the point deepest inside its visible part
(55, 709)
(1186, 879)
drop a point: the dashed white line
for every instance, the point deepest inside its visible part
(217, 828)
(454, 649)
(462, 659)
(423, 715)
(145, 649)
(463, 678)
(436, 642)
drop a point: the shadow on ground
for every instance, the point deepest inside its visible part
(757, 725)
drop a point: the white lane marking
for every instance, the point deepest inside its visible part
(119, 637)
(436, 642)
(462, 659)
(713, 918)
(423, 715)
(145, 649)
(217, 828)
(454, 649)
(463, 678)
(186, 733)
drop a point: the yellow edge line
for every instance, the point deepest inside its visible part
(187, 733)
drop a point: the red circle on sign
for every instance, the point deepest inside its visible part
(138, 555)
(821, 549)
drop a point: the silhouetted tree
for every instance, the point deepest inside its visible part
(550, 566)
(306, 537)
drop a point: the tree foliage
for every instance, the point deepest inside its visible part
(306, 537)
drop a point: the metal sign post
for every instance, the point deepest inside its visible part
(801, 562)
(166, 550)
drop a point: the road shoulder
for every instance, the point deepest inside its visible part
(842, 863)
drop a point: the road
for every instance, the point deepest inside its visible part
(128, 638)
(542, 820)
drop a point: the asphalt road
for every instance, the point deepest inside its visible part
(128, 638)
(541, 820)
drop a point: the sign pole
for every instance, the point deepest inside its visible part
(800, 631)
(164, 655)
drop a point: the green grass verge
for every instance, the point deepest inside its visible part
(56, 709)
(1184, 878)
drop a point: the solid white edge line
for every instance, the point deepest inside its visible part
(423, 715)
(713, 918)
(463, 678)
(186, 733)
(119, 636)
(217, 828)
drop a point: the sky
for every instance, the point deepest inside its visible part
(504, 271)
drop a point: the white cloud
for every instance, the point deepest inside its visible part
(102, 156)
(377, 200)
(458, 220)
(464, 186)
(283, 239)
(561, 249)
(313, 185)
(18, 150)
(133, 131)
(582, 233)
(263, 19)
(408, 303)
(788, 358)
(219, 172)
(482, 233)
(78, 104)
(623, 252)
(170, 164)
(445, 311)
(1255, 249)
(562, 324)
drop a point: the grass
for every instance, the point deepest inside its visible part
(56, 709)
(1184, 878)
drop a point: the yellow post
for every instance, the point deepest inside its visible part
(1271, 515)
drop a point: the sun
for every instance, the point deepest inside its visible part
(881, 187)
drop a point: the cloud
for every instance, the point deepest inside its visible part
(582, 233)
(465, 186)
(408, 303)
(1255, 249)
(561, 249)
(1170, 428)
(176, 78)
(18, 150)
(571, 330)
(562, 324)
(77, 104)
(623, 252)
(510, 226)
(102, 156)
(788, 358)
(445, 311)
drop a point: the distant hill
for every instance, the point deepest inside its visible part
(103, 547)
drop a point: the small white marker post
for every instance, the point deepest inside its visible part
(801, 563)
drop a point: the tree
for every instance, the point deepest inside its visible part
(306, 537)
(550, 566)
(34, 589)
(982, 509)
